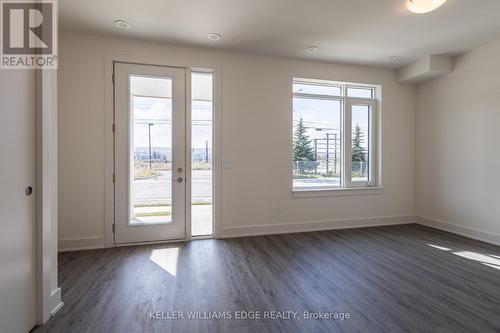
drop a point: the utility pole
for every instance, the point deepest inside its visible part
(327, 151)
(316, 155)
(149, 133)
(335, 152)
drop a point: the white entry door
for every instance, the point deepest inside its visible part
(150, 153)
(17, 204)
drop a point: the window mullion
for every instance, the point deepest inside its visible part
(372, 181)
(347, 161)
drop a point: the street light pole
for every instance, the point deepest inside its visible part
(149, 134)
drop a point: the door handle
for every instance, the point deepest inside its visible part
(179, 180)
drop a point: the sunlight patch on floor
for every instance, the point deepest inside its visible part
(492, 261)
(483, 258)
(439, 247)
(166, 259)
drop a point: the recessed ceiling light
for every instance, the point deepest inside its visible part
(393, 58)
(312, 49)
(122, 24)
(424, 6)
(214, 36)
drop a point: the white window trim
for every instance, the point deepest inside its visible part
(335, 191)
(347, 186)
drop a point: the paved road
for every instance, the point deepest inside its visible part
(161, 187)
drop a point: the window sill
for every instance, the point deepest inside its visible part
(335, 192)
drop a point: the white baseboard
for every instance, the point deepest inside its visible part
(83, 243)
(87, 243)
(484, 236)
(56, 301)
(57, 308)
(51, 305)
(286, 228)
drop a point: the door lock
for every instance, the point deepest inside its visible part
(179, 180)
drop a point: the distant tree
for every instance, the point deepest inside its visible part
(302, 149)
(358, 152)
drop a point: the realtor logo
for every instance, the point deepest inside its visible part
(29, 34)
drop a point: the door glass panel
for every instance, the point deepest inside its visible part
(150, 150)
(201, 154)
(360, 142)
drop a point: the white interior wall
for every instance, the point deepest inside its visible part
(458, 136)
(256, 131)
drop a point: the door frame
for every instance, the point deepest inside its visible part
(109, 200)
(47, 290)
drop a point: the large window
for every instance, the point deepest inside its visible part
(334, 135)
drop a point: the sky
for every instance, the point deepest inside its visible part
(319, 116)
(158, 111)
(324, 116)
(152, 104)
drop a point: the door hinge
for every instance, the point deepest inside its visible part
(114, 177)
(113, 227)
(113, 128)
(113, 78)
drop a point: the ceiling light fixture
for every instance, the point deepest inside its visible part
(393, 58)
(312, 49)
(214, 36)
(424, 6)
(124, 25)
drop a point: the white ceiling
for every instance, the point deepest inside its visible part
(349, 31)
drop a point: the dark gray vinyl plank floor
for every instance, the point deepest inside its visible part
(388, 279)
